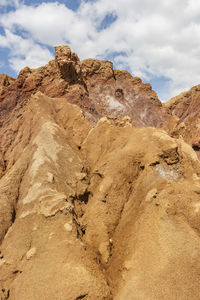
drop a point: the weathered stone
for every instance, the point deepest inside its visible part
(99, 209)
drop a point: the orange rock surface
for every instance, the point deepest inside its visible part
(94, 203)
(186, 107)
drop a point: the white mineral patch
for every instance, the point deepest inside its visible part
(31, 253)
(48, 201)
(143, 114)
(68, 227)
(52, 202)
(47, 147)
(25, 214)
(113, 104)
(50, 177)
(33, 193)
(167, 173)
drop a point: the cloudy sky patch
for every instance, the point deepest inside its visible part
(155, 40)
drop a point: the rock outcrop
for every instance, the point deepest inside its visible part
(5, 81)
(186, 107)
(91, 205)
(94, 86)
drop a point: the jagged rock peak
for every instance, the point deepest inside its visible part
(64, 53)
(93, 85)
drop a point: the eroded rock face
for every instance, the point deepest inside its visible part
(94, 86)
(186, 107)
(92, 207)
(88, 212)
(5, 81)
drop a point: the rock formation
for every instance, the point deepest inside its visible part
(186, 107)
(94, 86)
(5, 81)
(94, 203)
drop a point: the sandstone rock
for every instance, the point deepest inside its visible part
(5, 81)
(2, 165)
(91, 206)
(186, 107)
(67, 62)
(129, 238)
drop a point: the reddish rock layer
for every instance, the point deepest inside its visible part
(91, 84)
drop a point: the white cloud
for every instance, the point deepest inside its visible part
(24, 52)
(152, 37)
(14, 3)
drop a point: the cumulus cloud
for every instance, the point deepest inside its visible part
(151, 38)
(14, 3)
(24, 52)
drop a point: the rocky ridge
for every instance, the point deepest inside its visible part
(94, 203)
(186, 107)
(93, 85)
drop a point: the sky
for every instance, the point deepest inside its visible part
(157, 40)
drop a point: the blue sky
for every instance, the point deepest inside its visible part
(158, 41)
(71, 4)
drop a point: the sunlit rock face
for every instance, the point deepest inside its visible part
(186, 107)
(93, 85)
(97, 200)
